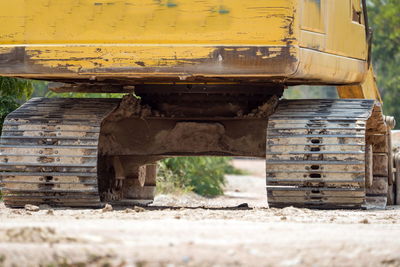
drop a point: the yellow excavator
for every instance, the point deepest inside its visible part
(199, 78)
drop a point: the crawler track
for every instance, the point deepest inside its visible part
(316, 153)
(48, 152)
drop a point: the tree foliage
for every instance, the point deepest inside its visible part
(13, 92)
(385, 21)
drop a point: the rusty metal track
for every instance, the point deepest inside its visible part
(48, 152)
(316, 153)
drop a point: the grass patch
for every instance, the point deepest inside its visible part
(202, 175)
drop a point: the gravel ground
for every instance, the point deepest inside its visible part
(236, 229)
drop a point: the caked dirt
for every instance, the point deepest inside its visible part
(236, 229)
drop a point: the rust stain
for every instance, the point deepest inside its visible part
(221, 61)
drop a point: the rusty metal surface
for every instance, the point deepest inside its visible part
(188, 124)
(48, 152)
(234, 63)
(180, 137)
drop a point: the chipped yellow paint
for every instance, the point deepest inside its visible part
(299, 41)
(84, 58)
(5, 50)
(144, 21)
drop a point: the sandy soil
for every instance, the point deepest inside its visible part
(236, 229)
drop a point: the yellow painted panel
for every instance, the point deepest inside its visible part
(335, 32)
(174, 38)
(153, 60)
(84, 58)
(327, 68)
(313, 40)
(345, 37)
(146, 21)
(313, 17)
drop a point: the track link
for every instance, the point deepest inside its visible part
(316, 153)
(48, 152)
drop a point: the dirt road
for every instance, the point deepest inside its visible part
(175, 231)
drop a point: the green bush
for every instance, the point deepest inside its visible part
(202, 175)
(7, 105)
(19, 89)
(12, 93)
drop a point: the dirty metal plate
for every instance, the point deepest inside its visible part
(316, 140)
(315, 147)
(322, 166)
(62, 151)
(317, 156)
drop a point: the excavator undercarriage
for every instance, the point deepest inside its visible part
(210, 79)
(85, 152)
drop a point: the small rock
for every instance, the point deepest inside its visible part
(365, 221)
(129, 210)
(16, 212)
(177, 216)
(243, 205)
(138, 209)
(283, 218)
(107, 208)
(30, 207)
(50, 212)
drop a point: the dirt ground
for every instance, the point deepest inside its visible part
(193, 231)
